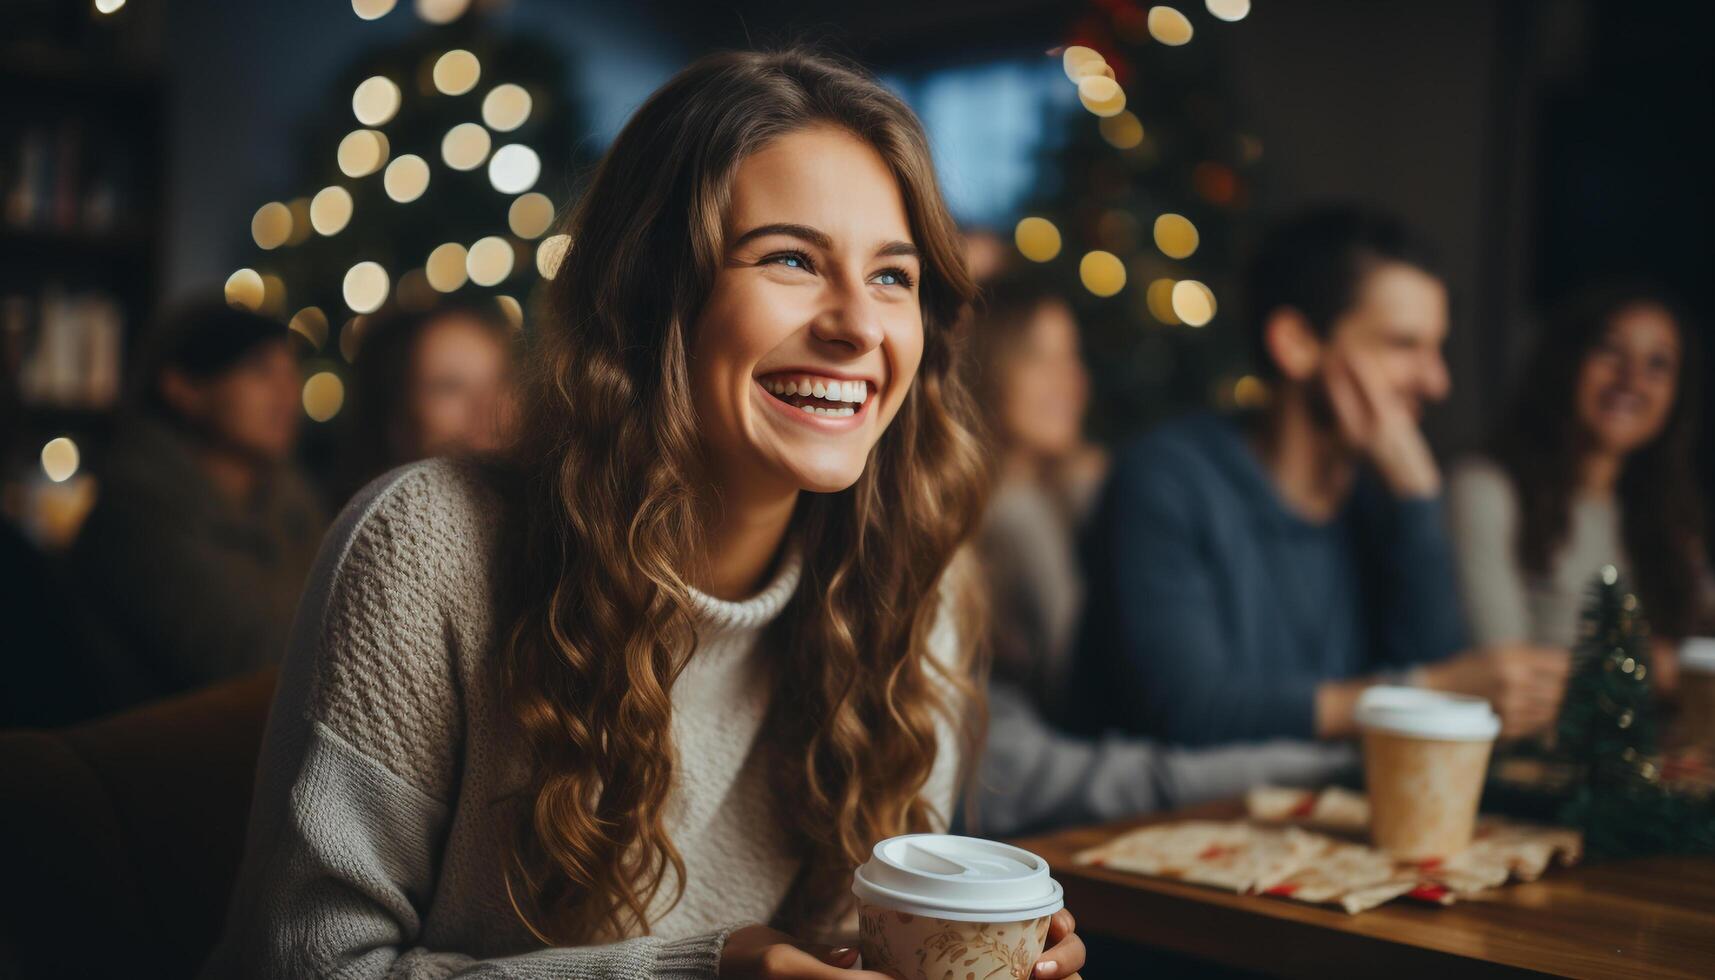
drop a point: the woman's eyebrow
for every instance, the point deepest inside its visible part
(816, 237)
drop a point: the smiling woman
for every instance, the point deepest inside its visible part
(637, 698)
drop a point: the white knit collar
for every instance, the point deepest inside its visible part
(721, 615)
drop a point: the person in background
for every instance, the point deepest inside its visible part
(203, 532)
(1251, 575)
(1027, 372)
(428, 383)
(1593, 467)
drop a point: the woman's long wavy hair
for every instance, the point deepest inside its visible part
(1540, 447)
(608, 515)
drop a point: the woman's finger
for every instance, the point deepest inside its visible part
(1065, 959)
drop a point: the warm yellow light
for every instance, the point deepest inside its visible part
(60, 458)
(514, 168)
(1169, 26)
(371, 9)
(375, 101)
(362, 152)
(1193, 302)
(1176, 236)
(366, 287)
(1122, 131)
(1102, 272)
(311, 324)
(457, 72)
(1159, 298)
(1079, 61)
(301, 226)
(273, 294)
(244, 290)
(489, 261)
(506, 107)
(511, 310)
(324, 393)
(108, 6)
(1249, 391)
(1101, 95)
(1228, 10)
(445, 268)
(406, 178)
(271, 226)
(330, 210)
(441, 11)
(1037, 239)
(351, 338)
(530, 215)
(551, 253)
(465, 146)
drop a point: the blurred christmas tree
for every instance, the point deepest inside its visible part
(1150, 211)
(438, 168)
(1607, 731)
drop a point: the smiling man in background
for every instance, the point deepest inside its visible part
(1250, 575)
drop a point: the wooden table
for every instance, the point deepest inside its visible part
(1641, 918)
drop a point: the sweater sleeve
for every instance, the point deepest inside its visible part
(1158, 624)
(1483, 517)
(1034, 777)
(356, 775)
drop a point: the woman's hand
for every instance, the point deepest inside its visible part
(761, 953)
(1065, 954)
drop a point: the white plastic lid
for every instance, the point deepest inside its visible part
(1427, 714)
(1697, 654)
(965, 879)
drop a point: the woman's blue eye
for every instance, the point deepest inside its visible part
(894, 277)
(791, 260)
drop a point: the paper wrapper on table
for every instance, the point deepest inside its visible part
(1288, 861)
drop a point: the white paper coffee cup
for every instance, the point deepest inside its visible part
(930, 903)
(1425, 756)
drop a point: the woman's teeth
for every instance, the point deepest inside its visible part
(830, 397)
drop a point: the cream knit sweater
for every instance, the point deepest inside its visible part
(376, 840)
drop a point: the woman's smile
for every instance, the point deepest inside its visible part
(821, 400)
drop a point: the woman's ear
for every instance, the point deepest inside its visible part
(1293, 344)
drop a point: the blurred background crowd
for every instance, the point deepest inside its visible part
(257, 254)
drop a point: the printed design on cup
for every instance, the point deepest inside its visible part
(920, 947)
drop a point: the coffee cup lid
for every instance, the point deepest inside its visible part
(1419, 713)
(966, 879)
(1697, 654)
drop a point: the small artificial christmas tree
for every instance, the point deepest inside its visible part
(1607, 731)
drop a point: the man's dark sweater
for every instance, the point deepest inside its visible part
(1215, 611)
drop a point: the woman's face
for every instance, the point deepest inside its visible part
(1044, 388)
(812, 331)
(1628, 381)
(460, 397)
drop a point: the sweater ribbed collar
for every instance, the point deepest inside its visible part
(723, 615)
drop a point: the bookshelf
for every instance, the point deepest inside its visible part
(82, 178)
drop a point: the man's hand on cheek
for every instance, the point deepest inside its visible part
(1373, 418)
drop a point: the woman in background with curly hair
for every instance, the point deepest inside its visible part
(637, 700)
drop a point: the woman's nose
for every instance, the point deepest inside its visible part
(850, 321)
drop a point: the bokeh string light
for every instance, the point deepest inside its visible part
(531, 215)
(311, 324)
(1169, 26)
(244, 290)
(372, 9)
(1176, 236)
(375, 101)
(445, 268)
(365, 287)
(324, 395)
(550, 253)
(362, 152)
(465, 146)
(406, 178)
(330, 210)
(489, 261)
(1229, 10)
(1193, 302)
(514, 168)
(1037, 239)
(1102, 272)
(271, 226)
(456, 72)
(506, 107)
(60, 459)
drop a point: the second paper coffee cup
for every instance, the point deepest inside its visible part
(936, 905)
(1425, 756)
